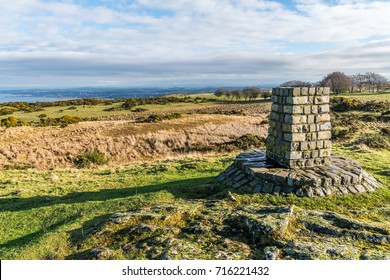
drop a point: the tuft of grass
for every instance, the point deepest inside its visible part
(243, 142)
(374, 140)
(89, 159)
(341, 133)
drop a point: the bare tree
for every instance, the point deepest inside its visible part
(337, 81)
(353, 83)
(228, 94)
(266, 94)
(220, 92)
(370, 80)
(378, 80)
(251, 92)
(358, 81)
(237, 94)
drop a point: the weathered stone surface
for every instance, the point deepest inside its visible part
(256, 174)
(268, 187)
(324, 135)
(271, 252)
(219, 230)
(101, 253)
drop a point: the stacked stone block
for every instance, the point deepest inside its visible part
(300, 129)
(252, 172)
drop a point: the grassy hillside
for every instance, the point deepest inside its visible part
(50, 214)
(188, 103)
(153, 199)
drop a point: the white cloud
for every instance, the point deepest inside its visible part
(185, 38)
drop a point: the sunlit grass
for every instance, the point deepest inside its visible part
(40, 210)
(84, 111)
(377, 96)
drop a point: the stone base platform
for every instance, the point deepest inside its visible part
(252, 172)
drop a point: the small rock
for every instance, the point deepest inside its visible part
(101, 253)
(127, 248)
(193, 230)
(230, 196)
(299, 192)
(143, 228)
(271, 252)
(328, 230)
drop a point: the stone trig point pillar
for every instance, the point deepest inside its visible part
(300, 129)
(298, 156)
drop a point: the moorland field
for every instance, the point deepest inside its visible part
(132, 179)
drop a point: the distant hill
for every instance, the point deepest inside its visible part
(33, 95)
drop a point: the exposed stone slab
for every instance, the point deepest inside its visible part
(253, 172)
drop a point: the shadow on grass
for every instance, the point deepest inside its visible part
(77, 236)
(32, 237)
(190, 188)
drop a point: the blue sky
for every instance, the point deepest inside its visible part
(71, 43)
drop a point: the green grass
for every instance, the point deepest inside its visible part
(98, 110)
(43, 211)
(377, 96)
(205, 95)
(156, 108)
(80, 111)
(203, 100)
(210, 99)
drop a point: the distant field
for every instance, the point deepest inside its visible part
(98, 110)
(80, 111)
(212, 98)
(202, 101)
(179, 107)
(378, 96)
(206, 95)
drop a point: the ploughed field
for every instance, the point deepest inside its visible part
(136, 183)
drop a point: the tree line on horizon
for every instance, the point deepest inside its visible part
(247, 93)
(337, 81)
(340, 82)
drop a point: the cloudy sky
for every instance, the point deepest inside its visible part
(72, 43)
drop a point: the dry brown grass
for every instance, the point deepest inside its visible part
(249, 109)
(121, 141)
(185, 123)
